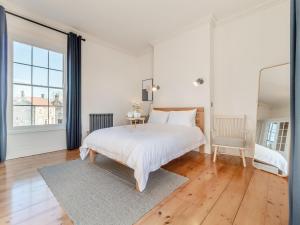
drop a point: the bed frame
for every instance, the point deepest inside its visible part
(199, 123)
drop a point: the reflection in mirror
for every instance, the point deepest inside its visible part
(273, 116)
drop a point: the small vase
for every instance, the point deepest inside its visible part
(137, 114)
(130, 114)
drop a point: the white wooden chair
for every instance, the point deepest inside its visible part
(229, 132)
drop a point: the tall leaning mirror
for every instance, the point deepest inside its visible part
(272, 146)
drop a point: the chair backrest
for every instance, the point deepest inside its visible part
(230, 126)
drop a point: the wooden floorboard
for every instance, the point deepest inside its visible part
(216, 193)
(225, 209)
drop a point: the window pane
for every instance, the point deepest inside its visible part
(55, 78)
(283, 140)
(22, 53)
(22, 116)
(40, 115)
(22, 95)
(39, 76)
(56, 115)
(56, 97)
(40, 57)
(278, 147)
(22, 73)
(286, 125)
(55, 60)
(40, 96)
(32, 95)
(272, 137)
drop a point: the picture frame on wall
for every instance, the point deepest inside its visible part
(147, 93)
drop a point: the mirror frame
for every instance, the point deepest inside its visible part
(259, 79)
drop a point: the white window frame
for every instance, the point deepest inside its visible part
(45, 45)
(281, 136)
(278, 120)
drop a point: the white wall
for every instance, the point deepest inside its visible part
(145, 64)
(263, 111)
(177, 63)
(243, 46)
(145, 70)
(280, 112)
(111, 79)
(229, 57)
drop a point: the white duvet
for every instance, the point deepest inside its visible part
(144, 148)
(271, 157)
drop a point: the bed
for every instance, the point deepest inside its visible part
(270, 160)
(146, 147)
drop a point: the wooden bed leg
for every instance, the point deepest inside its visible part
(137, 187)
(92, 155)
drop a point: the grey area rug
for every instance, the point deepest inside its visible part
(104, 193)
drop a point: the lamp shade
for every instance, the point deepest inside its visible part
(155, 88)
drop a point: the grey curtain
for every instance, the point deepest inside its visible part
(74, 92)
(294, 176)
(3, 83)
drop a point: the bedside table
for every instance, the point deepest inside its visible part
(135, 121)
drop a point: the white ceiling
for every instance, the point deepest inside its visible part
(132, 24)
(275, 87)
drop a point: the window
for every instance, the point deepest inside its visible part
(282, 136)
(271, 135)
(38, 86)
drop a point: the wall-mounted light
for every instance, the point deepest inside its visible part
(198, 82)
(155, 88)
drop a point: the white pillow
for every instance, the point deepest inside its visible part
(186, 118)
(159, 117)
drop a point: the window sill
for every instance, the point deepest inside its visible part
(24, 130)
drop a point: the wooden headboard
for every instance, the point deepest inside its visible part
(199, 114)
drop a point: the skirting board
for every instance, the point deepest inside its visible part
(14, 155)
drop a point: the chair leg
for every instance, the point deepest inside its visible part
(242, 152)
(215, 153)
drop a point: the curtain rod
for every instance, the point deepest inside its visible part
(40, 24)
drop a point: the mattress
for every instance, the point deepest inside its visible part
(144, 148)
